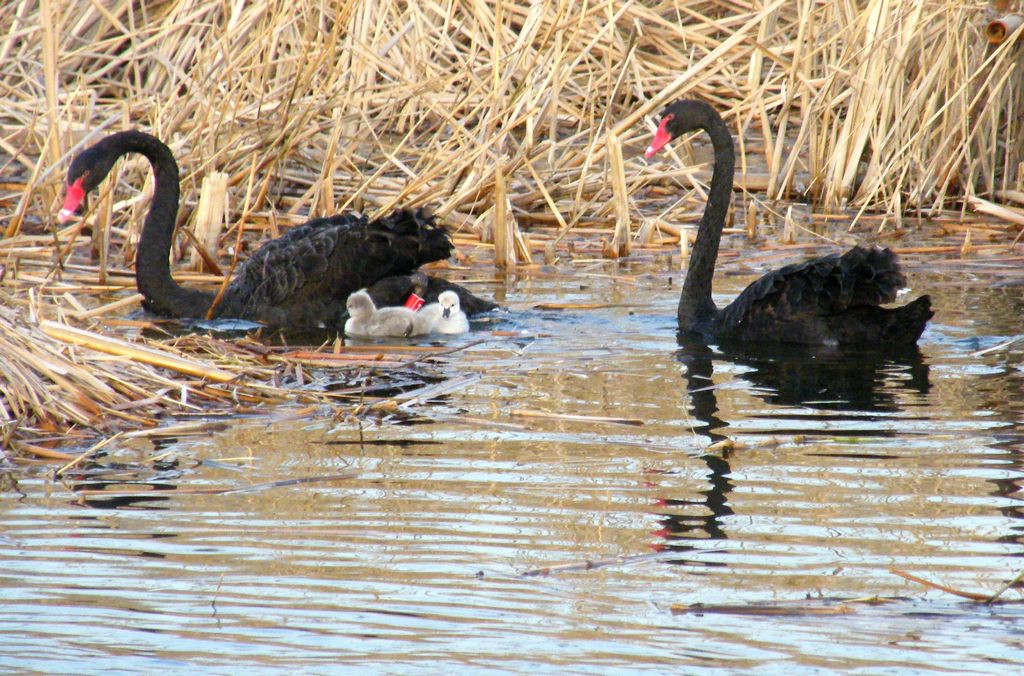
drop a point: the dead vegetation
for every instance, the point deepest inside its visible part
(518, 123)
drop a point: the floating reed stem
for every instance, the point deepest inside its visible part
(140, 353)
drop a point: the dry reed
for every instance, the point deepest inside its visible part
(379, 103)
(63, 385)
(535, 110)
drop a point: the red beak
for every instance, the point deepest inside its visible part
(73, 197)
(661, 137)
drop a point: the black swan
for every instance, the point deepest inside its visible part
(297, 281)
(832, 300)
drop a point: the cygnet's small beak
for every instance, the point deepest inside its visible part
(446, 312)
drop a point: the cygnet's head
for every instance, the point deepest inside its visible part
(449, 302)
(360, 305)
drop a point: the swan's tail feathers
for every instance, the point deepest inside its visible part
(904, 325)
(416, 234)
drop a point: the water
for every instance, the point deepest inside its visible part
(468, 537)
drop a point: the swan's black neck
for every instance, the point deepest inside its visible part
(152, 265)
(695, 304)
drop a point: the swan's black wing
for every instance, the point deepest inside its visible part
(832, 299)
(302, 279)
(822, 286)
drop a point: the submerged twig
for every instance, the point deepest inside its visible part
(1000, 346)
(575, 418)
(761, 610)
(599, 563)
(89, 492)
(1008, 585)
(949, 590)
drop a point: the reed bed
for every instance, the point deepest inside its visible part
(517, 123)
(64, 385)
(322, 105)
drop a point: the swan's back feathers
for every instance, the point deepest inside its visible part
(876, 275)
(303, 277)
(832, 299)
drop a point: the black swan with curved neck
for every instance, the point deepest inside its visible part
(300, 280)
(832, 300)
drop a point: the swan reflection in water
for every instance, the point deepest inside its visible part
(803, 386)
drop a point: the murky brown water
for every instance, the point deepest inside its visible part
(842, 468)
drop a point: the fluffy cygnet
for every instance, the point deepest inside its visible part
(445, 315)
(365, 320)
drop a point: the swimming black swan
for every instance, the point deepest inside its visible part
(832, 300)
(297, 281)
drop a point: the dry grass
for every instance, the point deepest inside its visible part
(527, 115)
(379, 103)
(69, 386)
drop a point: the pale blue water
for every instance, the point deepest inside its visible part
(841, 468)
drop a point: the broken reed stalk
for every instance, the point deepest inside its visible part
(210, 217)
(575, 418)
(1001, 212)
(998, 30)
(504, 255)
(621, 238)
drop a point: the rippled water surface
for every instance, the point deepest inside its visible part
(462, 534)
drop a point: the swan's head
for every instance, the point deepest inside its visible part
(86, 172)
(679, 118)
(360, 305)
(449, 302)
